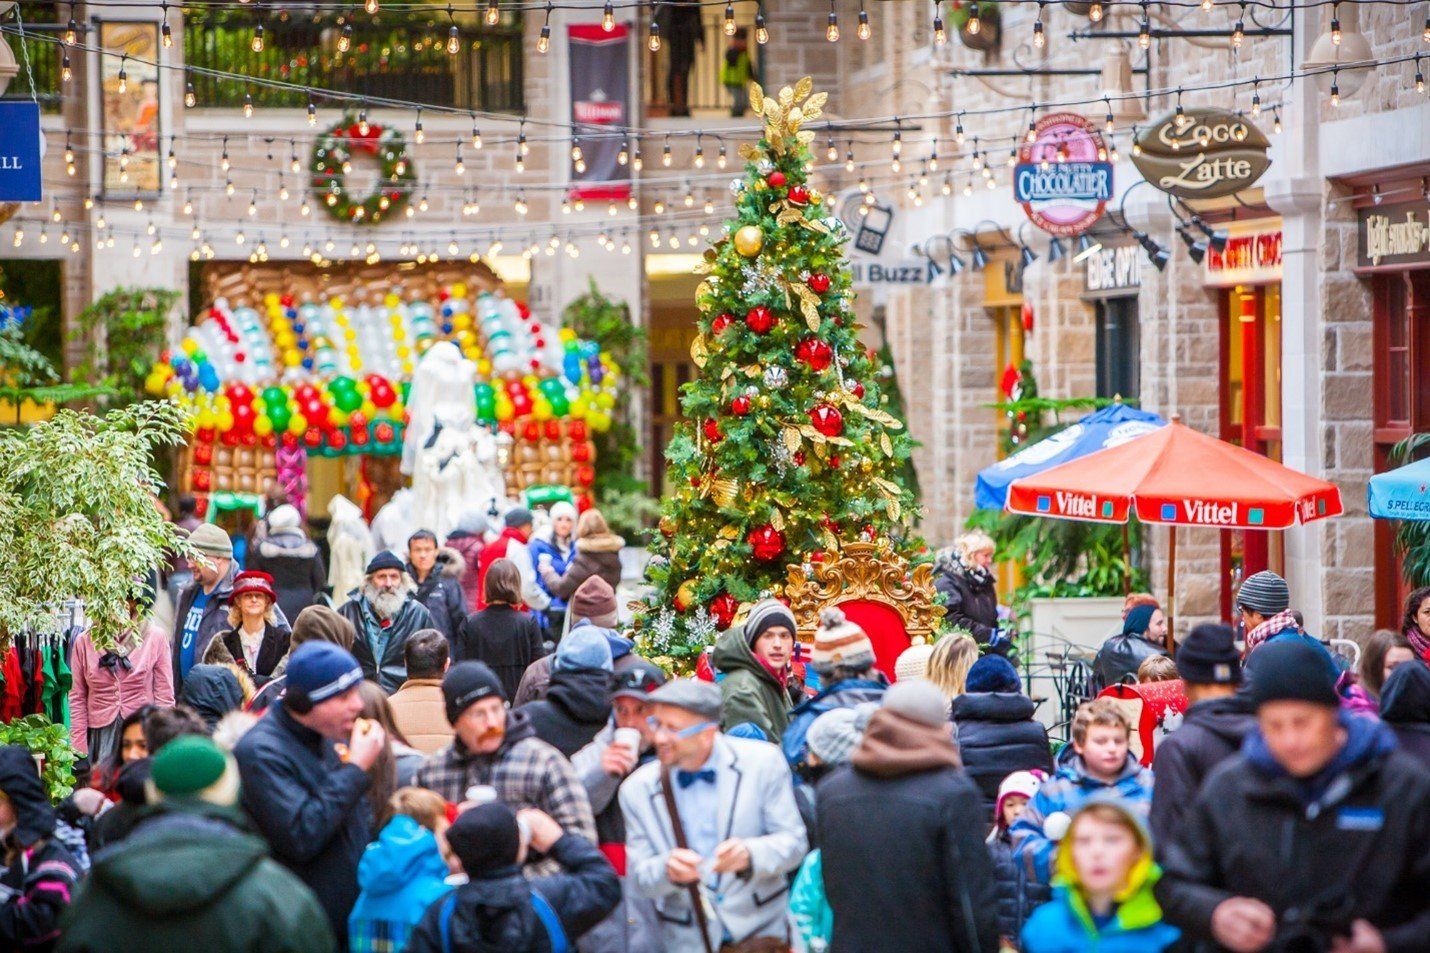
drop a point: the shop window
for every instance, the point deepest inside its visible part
(1119, 365)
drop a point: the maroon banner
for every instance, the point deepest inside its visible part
(600, 109)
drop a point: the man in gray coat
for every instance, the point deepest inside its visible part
(742, 831)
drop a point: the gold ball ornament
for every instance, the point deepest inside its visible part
(749, 240)
(685, 595)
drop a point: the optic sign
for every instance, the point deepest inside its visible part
(1063, 179)
(1201, 154)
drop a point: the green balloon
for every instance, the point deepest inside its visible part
(348, 400)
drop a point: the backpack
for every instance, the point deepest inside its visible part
(550, 922)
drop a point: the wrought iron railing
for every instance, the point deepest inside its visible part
(43, 55)
(363, 55)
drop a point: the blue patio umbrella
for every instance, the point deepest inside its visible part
(1112, 425)
(1401, 494)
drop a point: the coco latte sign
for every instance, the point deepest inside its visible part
(1201, 154)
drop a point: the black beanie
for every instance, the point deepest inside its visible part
(485, 838)
(467, 683)
(1292, 670)
(1208, 656)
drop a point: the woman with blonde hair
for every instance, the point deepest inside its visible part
(953, 655)
(598, 553)
(255, 642)
(963, 575)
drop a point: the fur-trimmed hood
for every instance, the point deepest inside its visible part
(601, 543)
(450, 562)
(290, 543)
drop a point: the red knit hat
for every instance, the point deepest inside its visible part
(254, 581)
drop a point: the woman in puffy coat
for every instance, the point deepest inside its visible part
(598, 553)
(555, 546)
(291, 559)
(995, 728)
(963, 574)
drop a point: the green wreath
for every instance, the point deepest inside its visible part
(335, 148)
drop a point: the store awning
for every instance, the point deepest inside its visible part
(1401, 494)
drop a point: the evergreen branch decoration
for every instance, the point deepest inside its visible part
(333, 152)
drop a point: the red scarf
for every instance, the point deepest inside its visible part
(1280, 622)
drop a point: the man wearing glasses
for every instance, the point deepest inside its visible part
(717, 869)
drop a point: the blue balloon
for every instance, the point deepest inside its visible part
(178, 362)
(307, 363)
(598, 374)
(208, 377)
(571, 367)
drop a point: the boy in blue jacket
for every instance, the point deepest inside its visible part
(401, 873)
(1099, 763)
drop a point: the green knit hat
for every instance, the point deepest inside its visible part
(187, 766)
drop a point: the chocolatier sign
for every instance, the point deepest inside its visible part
(1396, 234)
(1063, 179)
(1201, 154)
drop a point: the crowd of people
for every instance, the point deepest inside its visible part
(418, 769)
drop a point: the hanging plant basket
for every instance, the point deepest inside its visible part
(1076, 8)
(333, 153)
(988, 36)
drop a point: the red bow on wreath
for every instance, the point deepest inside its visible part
(367, 143)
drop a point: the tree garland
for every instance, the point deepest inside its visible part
(333, 152)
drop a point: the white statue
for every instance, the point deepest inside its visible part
(392, 526)
(349, 547)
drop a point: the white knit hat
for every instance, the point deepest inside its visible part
(913, 662)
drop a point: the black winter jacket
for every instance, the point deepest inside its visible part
(507, 639)
(1405, 708)
(391, 670)
(997, 736)
(970, 604)
(1119, 658)
(576, 707)
(1018, 889)
(1211, 732)
(1355, 851)
(493, 914)
(293, 561)
(309, 806)
(213, 691)
(441, 592)
(905, 866)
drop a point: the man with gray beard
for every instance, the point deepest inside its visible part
(385, 615)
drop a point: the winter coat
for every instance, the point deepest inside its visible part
(213, 691)
(1352, 846)
(809, 910)
(213, 622)
(561, 557)
(469, 546)
(970, 599)
(441, 592)
(1017, 890)
(901, 839)
(420, 713)
(1119, 658)
(103, 690)
(526, 772)
(1066, 925)
(750, 693)
(507, 639)
(512, 545)
(493, 913)
(1066, 791)
(537, 677)
(309, 805)
(38, 886)
(996, 736)
(115, 824)
(576, 707)
(390, 671)
(272, 653)
(850, 693)
(595, 556)
(1211, 731)
(191, 877)
(401, 874)
(293, 560)
(1405, 708)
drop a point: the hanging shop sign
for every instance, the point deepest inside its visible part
(1396, 234)
(1114, 270)
(600, 102)
(1201, 153)
(130, 94)
(1253, 258)
(1063, 179)
(903, 271)
(20, 141)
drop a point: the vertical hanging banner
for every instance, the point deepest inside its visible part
(20, 141)
(129, 92)
(600, 103)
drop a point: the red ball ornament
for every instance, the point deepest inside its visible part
(723, 608)
(857, 390)
(814, 352)
(712, 431)
(203, 454)
(775, 179)
(553, 430)
(798, 458)
(740, 406)
(313, 437)
(827, 420)
(798, 195)
(760, 319)
(834, 461)
(766, 543)
(721, 322)
(818, 283)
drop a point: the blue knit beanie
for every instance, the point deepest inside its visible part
(992, 673)
(1137, 620)
(318, 671)
(583, 647)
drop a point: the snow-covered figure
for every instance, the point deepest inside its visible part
(349, 547)
(392, 526)
(441, 391)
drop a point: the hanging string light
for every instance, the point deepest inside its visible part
(493, 14)
(247, 105)
(721, 159)
(418, 136)
(831, 29)
(762, 33)
(608, 17)
(256, 43)
(454, 35)
(652, 42)
(1094, 12)
(345, 38)
(1335, 87)
(1336, 22)
(543, 41)
(1256, 98)
(1039, 41)
(728, 24)
(1419, 76)
(864, 31)
(940, 35)
(123, 77)
(312, 111)
(370, 7)
(1144, 29)
(66, 73)
(974, 26)
(1238, 32)
(166, 33)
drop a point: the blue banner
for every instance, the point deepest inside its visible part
(1062, 181)
(20, 152)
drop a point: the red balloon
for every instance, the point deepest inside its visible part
(723, 608)
(229, 438)
(205, 435)
(827, 420)
(270, 440)
(203, 480)
(360, 437)
(532, 431)
(712, 431)
(740, 406)
(507, 427)
(239, 393)
(357, 420)
(721, 322)
(581, 452)
(382, 395)
(384, 432)
(815, 352)
(760, 319)
(776, 179)
(798, 195)
(586, 475)
(583, 502)
(818, 283)
(313, 437)
(553, 430)
(577, 430)
(289, 440)
(766, 543)
(336, 440)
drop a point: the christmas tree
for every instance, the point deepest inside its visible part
(786, 450)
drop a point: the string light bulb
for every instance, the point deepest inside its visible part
(345, 38)
(1094, 13)
(1335, 87)
(370, 7)
(1039, 40)
(1255, 100)
(71, 30)
(974, 26)
(762, 32)
(256, 43)
(247, 105)
(608, 17)
(721, 158)
(940, 35)
(1336, 23)
(123, 77)
(1144, 29)
(543, 41)
(166, 32)
(418, 135)
(728, 26)
(652, 42)
(1238, 31)
(493, 13)
(312, 111)
(831, 29)
(66, 73)
(454, 40)
(1419, 76)
(864, 31)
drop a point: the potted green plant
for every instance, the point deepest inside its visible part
(977, 24)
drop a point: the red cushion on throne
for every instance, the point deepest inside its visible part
(885, 628)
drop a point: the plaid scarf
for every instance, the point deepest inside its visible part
(1280, 622)
(1419, 642)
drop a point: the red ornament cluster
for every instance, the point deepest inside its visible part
(798, 195)
(723, 608)
(760, 319)
(815, 352)
(740, 405)
(818, 283)
(766, 543)
(721, 322)
(827, 420)
(712, 431)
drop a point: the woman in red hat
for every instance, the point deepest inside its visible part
(257, 642)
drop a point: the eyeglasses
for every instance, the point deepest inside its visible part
(681, 733)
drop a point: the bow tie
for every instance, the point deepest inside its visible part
(113, 661)
(686, 778)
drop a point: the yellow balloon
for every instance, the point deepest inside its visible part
(339, 417)
(369, 409)
(461, 321)
(484, 367)
(297, 424)
(459, 290)
(567, 335)
(262, 425)
(292, 359)
(403, 352)
(207, 419)
(541, 410)
(395, 410)
(190, 346)
(407, 367)
(225, 421)
(605, 400)
(578, 407)
(391, 300)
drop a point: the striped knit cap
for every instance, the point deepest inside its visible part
(839, 642)
(765, 614)
(1264, 592)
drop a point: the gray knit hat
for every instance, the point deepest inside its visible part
(919, 700)
(1264, 592)
(833, 735)
(766, 614)
(211, 541)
